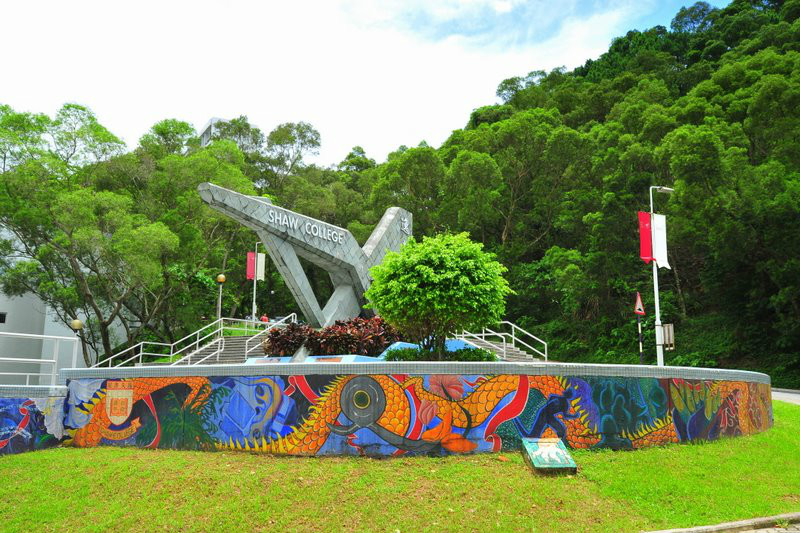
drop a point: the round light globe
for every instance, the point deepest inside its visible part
(221, 279)
(76, 325)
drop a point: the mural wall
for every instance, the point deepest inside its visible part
(407, 414)
(28, 424)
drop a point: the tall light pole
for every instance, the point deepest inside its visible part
(220, 283)
(659, 332)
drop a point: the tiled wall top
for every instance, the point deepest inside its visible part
(31, 391)
(548, 369)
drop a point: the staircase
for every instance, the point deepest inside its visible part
(230, 351)
(224, 341)
(508, 342)
(508, 353)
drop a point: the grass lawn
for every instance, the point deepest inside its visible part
(124, 489)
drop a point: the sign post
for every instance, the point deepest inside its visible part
(639, 310)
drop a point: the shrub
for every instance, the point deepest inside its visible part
(360, 336)
(462, 355)
(286, 341)
(437, 287)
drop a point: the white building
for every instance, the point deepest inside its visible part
(208, 131)
(29, 315)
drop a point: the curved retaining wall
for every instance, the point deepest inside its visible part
(396, 408)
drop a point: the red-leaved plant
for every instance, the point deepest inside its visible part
(359, 336)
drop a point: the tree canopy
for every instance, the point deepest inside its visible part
(437, 287)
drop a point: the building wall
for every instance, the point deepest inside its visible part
(28, 314)
(24, 314)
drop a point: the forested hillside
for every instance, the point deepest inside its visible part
(550, 179)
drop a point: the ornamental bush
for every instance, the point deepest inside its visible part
(359, 336)
(462, 354)
(437, 287)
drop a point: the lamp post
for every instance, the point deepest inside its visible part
(659, 332)
(77, 326)
(220, 283)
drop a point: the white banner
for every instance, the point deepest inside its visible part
(260, 259)
(660, 241)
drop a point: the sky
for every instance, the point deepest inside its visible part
(378, 74)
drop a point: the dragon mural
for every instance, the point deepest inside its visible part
(383, 415)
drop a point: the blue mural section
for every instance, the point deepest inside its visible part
(28, 424)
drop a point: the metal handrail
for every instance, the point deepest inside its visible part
(196, 337)
(118, 354)
(56, 352)
(482, 336)
(25, 361)
(281, 322)
(463, 337)
(509, 338)
(216, 333)
(218, 351)
(514, 329)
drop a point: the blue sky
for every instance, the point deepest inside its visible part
(378, 74)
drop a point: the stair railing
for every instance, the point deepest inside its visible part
(482, 342)
(515, 338)
(511, 339)
(220, 341)
(283, 322)
(189, 344)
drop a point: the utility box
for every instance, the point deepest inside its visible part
(668, 336)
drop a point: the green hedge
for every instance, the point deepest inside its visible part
(418, 354)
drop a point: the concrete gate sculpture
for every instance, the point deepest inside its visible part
(287, 236)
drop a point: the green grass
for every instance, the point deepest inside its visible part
(125, 489)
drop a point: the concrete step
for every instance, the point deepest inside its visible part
(512, 353)
(232, 353)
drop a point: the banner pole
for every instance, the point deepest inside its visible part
(255, 278)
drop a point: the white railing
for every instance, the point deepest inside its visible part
(183, 347)
(219, 341)
(515, 338)
(470, 339)
(258, 339)
(503, 340)
(28, 375)
(52, 363)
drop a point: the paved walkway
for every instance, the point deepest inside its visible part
(793, 528)
(786, 395)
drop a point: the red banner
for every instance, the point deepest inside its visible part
(251, 265)
(645, 237)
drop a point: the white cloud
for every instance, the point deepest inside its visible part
(358, 73)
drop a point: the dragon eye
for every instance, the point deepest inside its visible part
(361, 399)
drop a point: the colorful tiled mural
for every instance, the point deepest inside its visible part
(407, 414)
(28, 424)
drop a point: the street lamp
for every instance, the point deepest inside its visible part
(77, 326)
(220, 283)
(659, 332)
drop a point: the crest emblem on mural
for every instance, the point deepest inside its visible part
(119, 401)
(405, 227)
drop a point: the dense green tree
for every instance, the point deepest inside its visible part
(437, 287)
